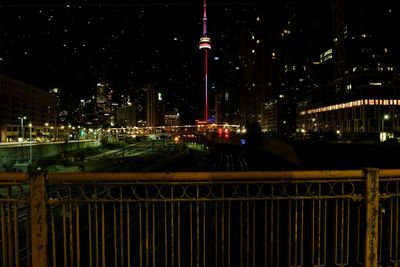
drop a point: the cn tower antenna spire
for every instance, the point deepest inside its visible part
(205, 45)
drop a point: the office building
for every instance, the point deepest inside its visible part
(363, 99)
(19, 100)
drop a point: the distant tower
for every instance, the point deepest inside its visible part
(205, 44)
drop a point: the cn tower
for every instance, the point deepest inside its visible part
(205, 45)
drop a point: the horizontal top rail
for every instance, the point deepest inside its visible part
(13, 177)
(206, 176)
(386, 173)
(200, 176)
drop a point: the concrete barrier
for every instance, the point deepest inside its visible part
(17, 154)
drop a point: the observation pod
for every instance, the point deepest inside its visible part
(205, 42)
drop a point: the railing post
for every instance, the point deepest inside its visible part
(372, 216)
(38, 220)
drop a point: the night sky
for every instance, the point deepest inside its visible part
(73, 46)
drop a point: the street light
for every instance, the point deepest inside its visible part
(46, 124)
(30, 142)
(383, 134)
(22, 118)
(385, 117)
(62, 128)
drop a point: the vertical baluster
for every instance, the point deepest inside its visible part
(191, 232)
(147, 231)
(277, 232)
(128, 233)
(10, 243)
(71, 235)
(229, 233)
(179, 234)
(222, 227)
(359, 246)
(9, 230)
(96, 219)
(16, 239)
(247, 227)
(121, 227)
(29, 239)
(154, 234)
(90, 234)
(65, 234)
(290, 231)
(140, 236)
(165, 234)
(172, 228)
(216, 234)
(197, 228)
(78, 239)
(266, 236)
(204, 234)
(4, 235)
(241, 233)
(53, 238)
(115, 234)
(103, 235)
(325, 231)
(301, 239)
(394, 234)
(254, 234)
(314, 248)
(347, 223)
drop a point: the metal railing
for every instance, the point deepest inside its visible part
(301, 218)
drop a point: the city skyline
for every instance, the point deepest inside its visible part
(261, 54)
(73, 46)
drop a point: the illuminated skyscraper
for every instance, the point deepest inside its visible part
(205, 45)
(362, 100)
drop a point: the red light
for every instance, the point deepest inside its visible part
(219, 132)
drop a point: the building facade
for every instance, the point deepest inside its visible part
(21, 100)
(362, 100)
(155, 107)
